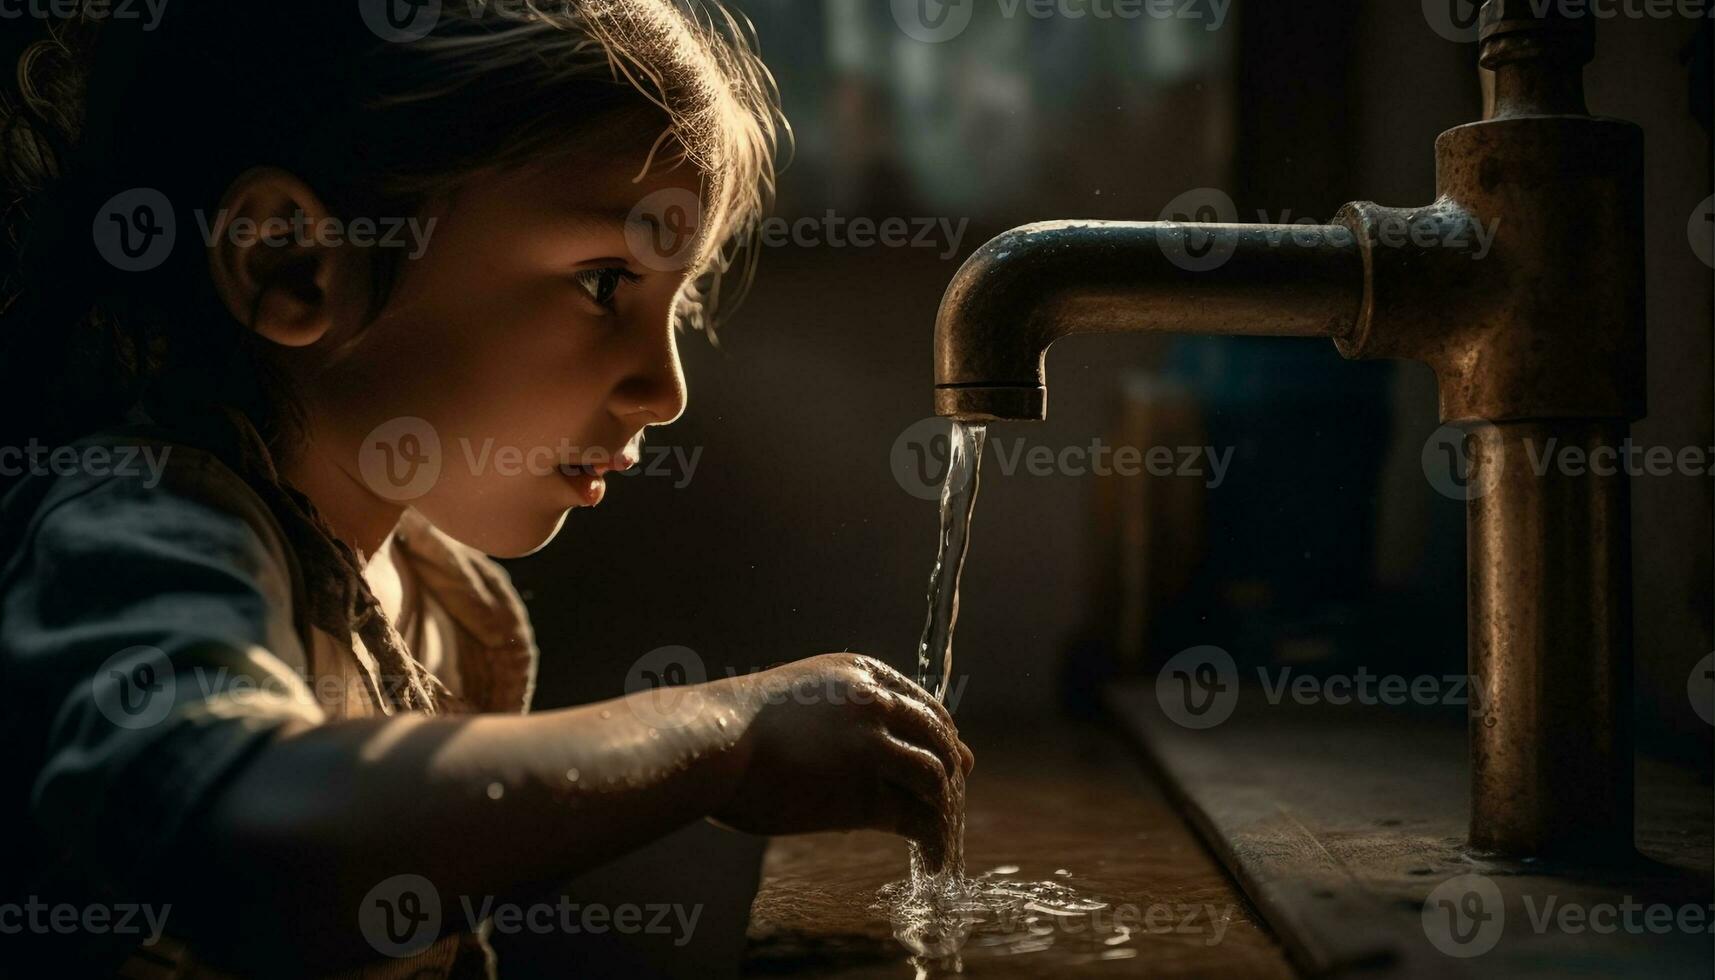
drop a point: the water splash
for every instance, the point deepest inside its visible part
(937, 916)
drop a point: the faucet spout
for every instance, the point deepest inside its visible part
(1032, 285)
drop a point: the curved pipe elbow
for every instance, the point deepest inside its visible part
(1030, 286)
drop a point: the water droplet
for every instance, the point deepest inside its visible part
(496, 791)
(1062, 872)
(571, 775)
(606, 714)
(1007, 869)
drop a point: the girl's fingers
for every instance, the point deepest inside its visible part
(916, 769)
(915, 819)
(915, 723)
(899, 684)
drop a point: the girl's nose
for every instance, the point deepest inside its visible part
(655, 389)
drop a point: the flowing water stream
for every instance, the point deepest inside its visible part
(958, 501)
(934, 914)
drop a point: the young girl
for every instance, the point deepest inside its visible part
(277, 265)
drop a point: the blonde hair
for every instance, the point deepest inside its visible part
(693, 61)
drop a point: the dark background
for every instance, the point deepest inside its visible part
(794, 538)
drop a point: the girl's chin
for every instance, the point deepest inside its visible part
(517, 538)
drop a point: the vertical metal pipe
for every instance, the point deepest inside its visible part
(1550, 638)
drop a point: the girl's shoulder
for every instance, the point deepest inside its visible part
(137, 480)
(133, 509)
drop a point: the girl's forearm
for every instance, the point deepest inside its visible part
(479, 805)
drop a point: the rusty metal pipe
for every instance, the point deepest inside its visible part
(1537, 346)
(1033, 285)
(1550, 640)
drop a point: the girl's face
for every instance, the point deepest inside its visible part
(521, 356)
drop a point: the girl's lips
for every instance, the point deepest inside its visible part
(591, 486)
(590, 479)
(617, 464)
(607, 464)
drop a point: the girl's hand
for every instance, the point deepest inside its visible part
(842, 742)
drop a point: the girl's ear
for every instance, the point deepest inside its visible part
(272, 265)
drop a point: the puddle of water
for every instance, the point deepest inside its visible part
(939, 918)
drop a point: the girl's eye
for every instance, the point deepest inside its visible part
(602, 284)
